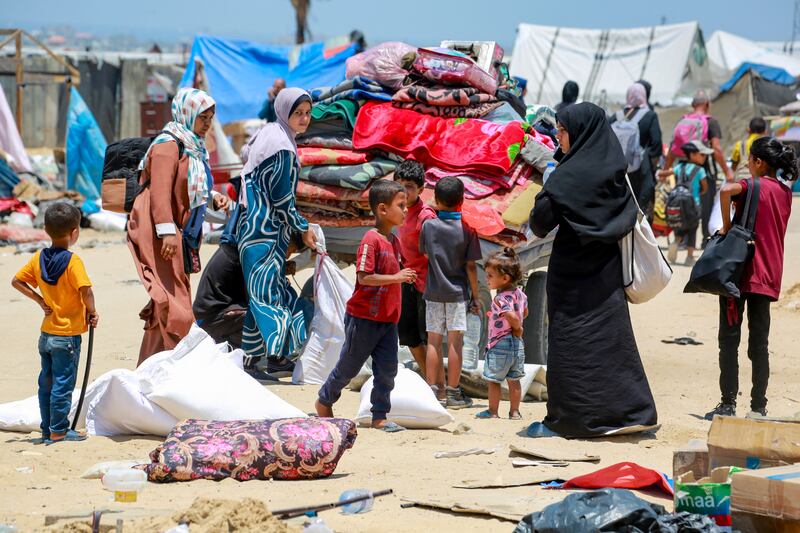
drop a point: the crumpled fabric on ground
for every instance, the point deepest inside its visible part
(358, 88)
(625, 475)
(287, 448)
(612, 510)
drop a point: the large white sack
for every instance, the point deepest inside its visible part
(205, 384)
(24, 415)
(332, 289)
(122, 409)
(533, 384)
(413, 403)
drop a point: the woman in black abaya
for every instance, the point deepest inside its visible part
(595, 380)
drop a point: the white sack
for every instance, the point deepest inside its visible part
(413, 403)
(332, 289)
(122, 409)
(205, 384)
(533, 384)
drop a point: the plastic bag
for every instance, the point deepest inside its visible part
(611, 510)
(382, 63)
(326, 334)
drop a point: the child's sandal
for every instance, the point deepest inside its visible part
(514, 416)
(485, 414)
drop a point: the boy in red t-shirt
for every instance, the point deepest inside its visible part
(412, 329)
(374, 309)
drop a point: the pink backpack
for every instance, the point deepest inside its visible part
(692, 127)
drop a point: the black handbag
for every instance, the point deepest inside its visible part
(725, 257)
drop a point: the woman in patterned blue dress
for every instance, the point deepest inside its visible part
(274, 326)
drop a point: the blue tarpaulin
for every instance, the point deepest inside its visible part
(774, 74)
(86, 148)
(240, 72)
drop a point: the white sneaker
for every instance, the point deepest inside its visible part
(672, 251)
(757, 414)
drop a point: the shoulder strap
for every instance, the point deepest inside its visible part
(181, 148)
(751, 204)
(639, 115)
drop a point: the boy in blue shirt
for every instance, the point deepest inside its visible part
(690, 172)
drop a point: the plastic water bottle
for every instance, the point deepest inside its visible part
(364, 506)
(317, 526)
(125, 483)
(551, 166)
(472, 340)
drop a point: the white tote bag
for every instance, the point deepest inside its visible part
(645, 271)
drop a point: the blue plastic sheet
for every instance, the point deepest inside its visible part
(774, 74)
(86, 148)
(240, 72)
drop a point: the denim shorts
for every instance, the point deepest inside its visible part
(505, 360)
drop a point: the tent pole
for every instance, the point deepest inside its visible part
(19, 78)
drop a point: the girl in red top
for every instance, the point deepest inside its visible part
(775, 165)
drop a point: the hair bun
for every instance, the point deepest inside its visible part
(509, 252)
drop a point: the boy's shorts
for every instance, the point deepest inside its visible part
(505, 360)
(411, 327)
(441, 317)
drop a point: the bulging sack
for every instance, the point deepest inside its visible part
(332, 289)
(414, 405)
(645, 271)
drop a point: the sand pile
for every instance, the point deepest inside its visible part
(204, 516)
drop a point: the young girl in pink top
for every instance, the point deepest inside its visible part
(505, 354)
(774, 165)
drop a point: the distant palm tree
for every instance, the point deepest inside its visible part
(301, 8)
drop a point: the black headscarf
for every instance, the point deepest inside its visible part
(569, 95)
(589, 184)
(647, 89)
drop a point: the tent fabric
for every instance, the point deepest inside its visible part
(605, 63)
(86, 148)
(727, 52)
(10, 141)
(240, 72)
(773, 74)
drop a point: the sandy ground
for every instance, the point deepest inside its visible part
(683, 379)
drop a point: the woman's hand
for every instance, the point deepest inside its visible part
(310, 239)
(169, 247)
(221, 202)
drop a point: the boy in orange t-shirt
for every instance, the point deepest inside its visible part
(68, 304)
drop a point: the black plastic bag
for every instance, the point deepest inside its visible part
(612, 510)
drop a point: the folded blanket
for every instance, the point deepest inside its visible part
(288, 448)
(479, 185)
(345, 110)
(450, 111)
(466, 96)
(326, 140)
(357, 88)
(310, 155)
(311, 192)
(452, 144)
(349, 176)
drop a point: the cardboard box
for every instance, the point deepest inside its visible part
(691, 458)
(709, 496)
(769, 491)
(752, 444)
(754, 523)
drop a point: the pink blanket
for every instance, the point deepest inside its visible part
(468, 145)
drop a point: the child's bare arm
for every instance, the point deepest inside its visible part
(472, 276)
(703, 185)
(88, 300)
(28, 291)
(515, 321)
(407, 275)
(728, 191)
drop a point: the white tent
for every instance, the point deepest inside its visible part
(10, 141)
(605, 62)
(726, 52)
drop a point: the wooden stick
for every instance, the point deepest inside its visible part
(293, 512)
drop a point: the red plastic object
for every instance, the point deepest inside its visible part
(453, 70)
(621, 476)
(482, 218)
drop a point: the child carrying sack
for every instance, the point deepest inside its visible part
(120, 185)
(720, 268)
(627, 132)
(645, 271)
(681, 210)
(692, 127)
